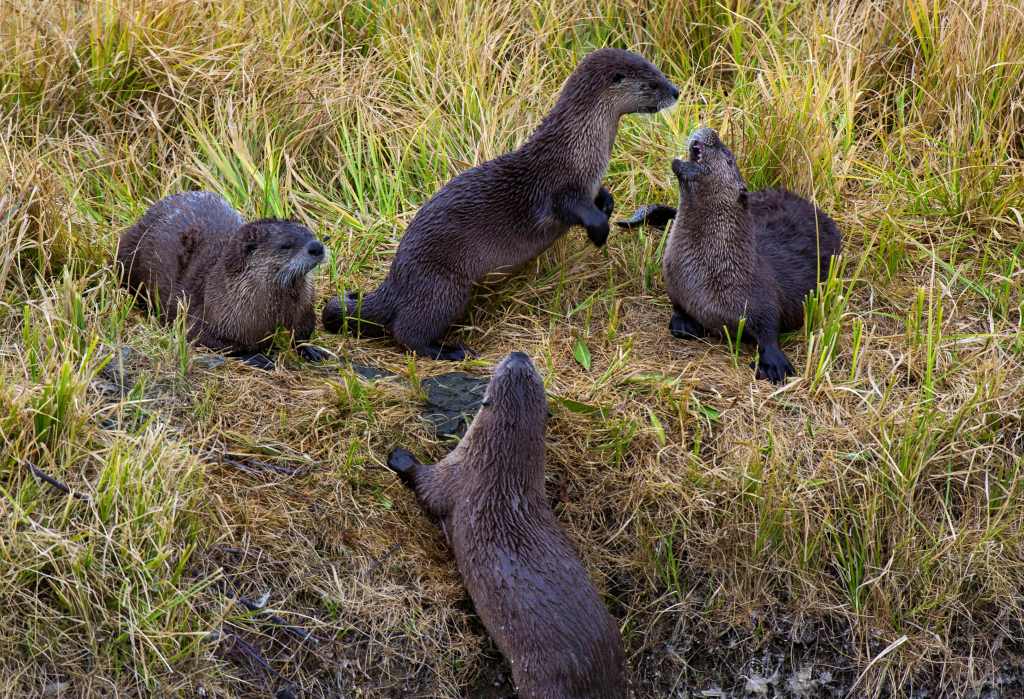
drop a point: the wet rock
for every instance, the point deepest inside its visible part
(452, 401)
(208, 361)
(370, 373)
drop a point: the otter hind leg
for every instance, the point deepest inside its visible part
(361, 315)
(422, 323)
(684, 327)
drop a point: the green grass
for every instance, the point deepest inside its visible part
(875, 499)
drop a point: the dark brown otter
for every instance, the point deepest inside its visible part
(241, 281)
(526, 581)
(503, 213)
(733, 254)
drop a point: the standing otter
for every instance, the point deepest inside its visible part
(526, 581)
(241, 280)
(733, 254)
(505, 212)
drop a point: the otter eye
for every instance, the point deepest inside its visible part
(618, 78)
(286, 246)
(653, 85)
(485, 403)
(250, 247)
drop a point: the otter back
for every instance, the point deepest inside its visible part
(526, 580)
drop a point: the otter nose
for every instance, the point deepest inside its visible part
(315, 249)
(674, 91)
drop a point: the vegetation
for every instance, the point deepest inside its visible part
(865, 519)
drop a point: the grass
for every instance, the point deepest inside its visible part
(873, 504)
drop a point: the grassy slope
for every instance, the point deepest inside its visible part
(874, 501)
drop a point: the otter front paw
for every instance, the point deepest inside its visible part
(605, 202)
(773, 365)
(403, 463)
(598, 234)
(312, 353)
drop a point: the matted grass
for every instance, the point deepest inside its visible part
(865, 520)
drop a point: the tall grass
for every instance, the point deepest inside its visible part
(875, 498)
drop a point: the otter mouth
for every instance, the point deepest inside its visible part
(296, 270)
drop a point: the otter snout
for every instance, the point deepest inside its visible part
(315, 249)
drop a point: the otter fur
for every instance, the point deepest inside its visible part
(240, 281)
(527, 583)
(503, 213)
(733, 253)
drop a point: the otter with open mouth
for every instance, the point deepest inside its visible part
(240, 281)
(735, 254)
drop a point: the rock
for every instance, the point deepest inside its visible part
(452, 401)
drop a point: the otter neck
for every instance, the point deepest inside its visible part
(510, 457)
(720, 231)
(576, 137)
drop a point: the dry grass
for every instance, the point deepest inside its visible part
(872, 504)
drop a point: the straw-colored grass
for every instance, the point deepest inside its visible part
(865, 520)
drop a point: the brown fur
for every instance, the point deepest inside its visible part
(503, 213)
(240, 282)
(526, 581)
(733, 254)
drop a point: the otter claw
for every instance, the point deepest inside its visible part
(312, 353)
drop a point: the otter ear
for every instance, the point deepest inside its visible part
(618, 78)
(243, 244)
(742, 198)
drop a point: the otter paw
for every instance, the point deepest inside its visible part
(312, 353)
(403, 463)
(605, 202)
(774, 366)
(260, 361)
(684, 327)
(598, 234)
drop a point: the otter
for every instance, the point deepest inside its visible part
(527, 583)
(241, 281)
(503, 213)
(733, 254)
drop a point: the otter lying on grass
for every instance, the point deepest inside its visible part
(241, 281)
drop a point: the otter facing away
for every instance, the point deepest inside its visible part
(503, 213)
(733, 254)
(527, 583)
(240, 281)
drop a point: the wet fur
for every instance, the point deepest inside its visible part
(527, 583)
(503, 213)
(733, 254)
(194, 248)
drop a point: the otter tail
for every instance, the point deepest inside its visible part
(365, 316)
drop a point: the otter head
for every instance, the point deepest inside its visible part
(280, 252)
(626, 81)
(515, 397)
(710, 172)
